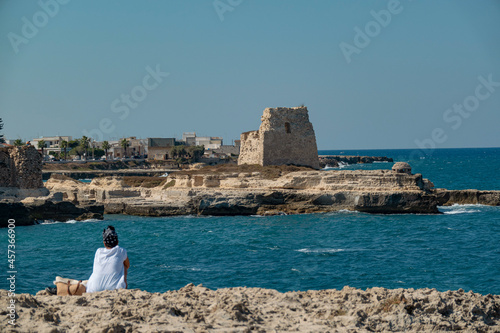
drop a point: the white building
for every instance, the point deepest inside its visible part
(52, 143)
(210, 142)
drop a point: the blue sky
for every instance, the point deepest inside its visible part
(397, 91)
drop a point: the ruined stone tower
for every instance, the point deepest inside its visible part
(20, 167)
(285, 136)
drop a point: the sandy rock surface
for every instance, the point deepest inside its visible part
(198, 309)
(251, 193)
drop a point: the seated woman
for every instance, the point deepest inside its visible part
(110, 264)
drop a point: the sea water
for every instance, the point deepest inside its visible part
(457, 249)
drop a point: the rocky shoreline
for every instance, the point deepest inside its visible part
(31, 213)
(199, 309)
(221, 190)
(264, 191)
(268, 191)
(23, 196)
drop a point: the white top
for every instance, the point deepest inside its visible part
(109, 271)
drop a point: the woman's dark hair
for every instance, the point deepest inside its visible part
(110, 237)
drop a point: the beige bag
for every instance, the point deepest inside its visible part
(70, 287)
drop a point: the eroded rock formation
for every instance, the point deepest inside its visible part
(258, 192)
(468, 197)
(285, 136)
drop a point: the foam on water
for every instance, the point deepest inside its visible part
(461, 209)
(48, 222)
(306, 250)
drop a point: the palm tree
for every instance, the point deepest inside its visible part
(18, 143)
(64, 145)
(41, 145)
(124, 144)
(84, 143)
(106, 146)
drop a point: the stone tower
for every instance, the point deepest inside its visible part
(20, 167)
(285, 136)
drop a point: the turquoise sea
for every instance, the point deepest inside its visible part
(458, 249)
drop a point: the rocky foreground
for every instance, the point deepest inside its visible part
(198, 309)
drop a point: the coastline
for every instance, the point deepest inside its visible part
(254, 190)
(196, 308)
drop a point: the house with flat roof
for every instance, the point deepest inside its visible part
(160, 148)
(52, 143)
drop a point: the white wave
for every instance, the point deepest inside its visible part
(84, 221)
(342, 211)
(182, 268)
(380, 161)
(340, 166)
(348, 211)
(306, 250)
(466, 205)
(461, 209)
(343, 165)
(164, 175)
(46, 222)
(192, 216)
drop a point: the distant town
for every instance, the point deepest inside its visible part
(190, 148)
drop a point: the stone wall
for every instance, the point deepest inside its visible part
(20, 167)
(285, 136)
(250, 148)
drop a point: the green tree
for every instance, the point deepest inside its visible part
(18, 143)
(98, 153)
(84, 143)
(195, 152)
(64, 145)
(2, 140)
(124, 144)
(73, 143)
(106, 146)
(178, 151)
(173, 151)
(41, 145)
(76, 151)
